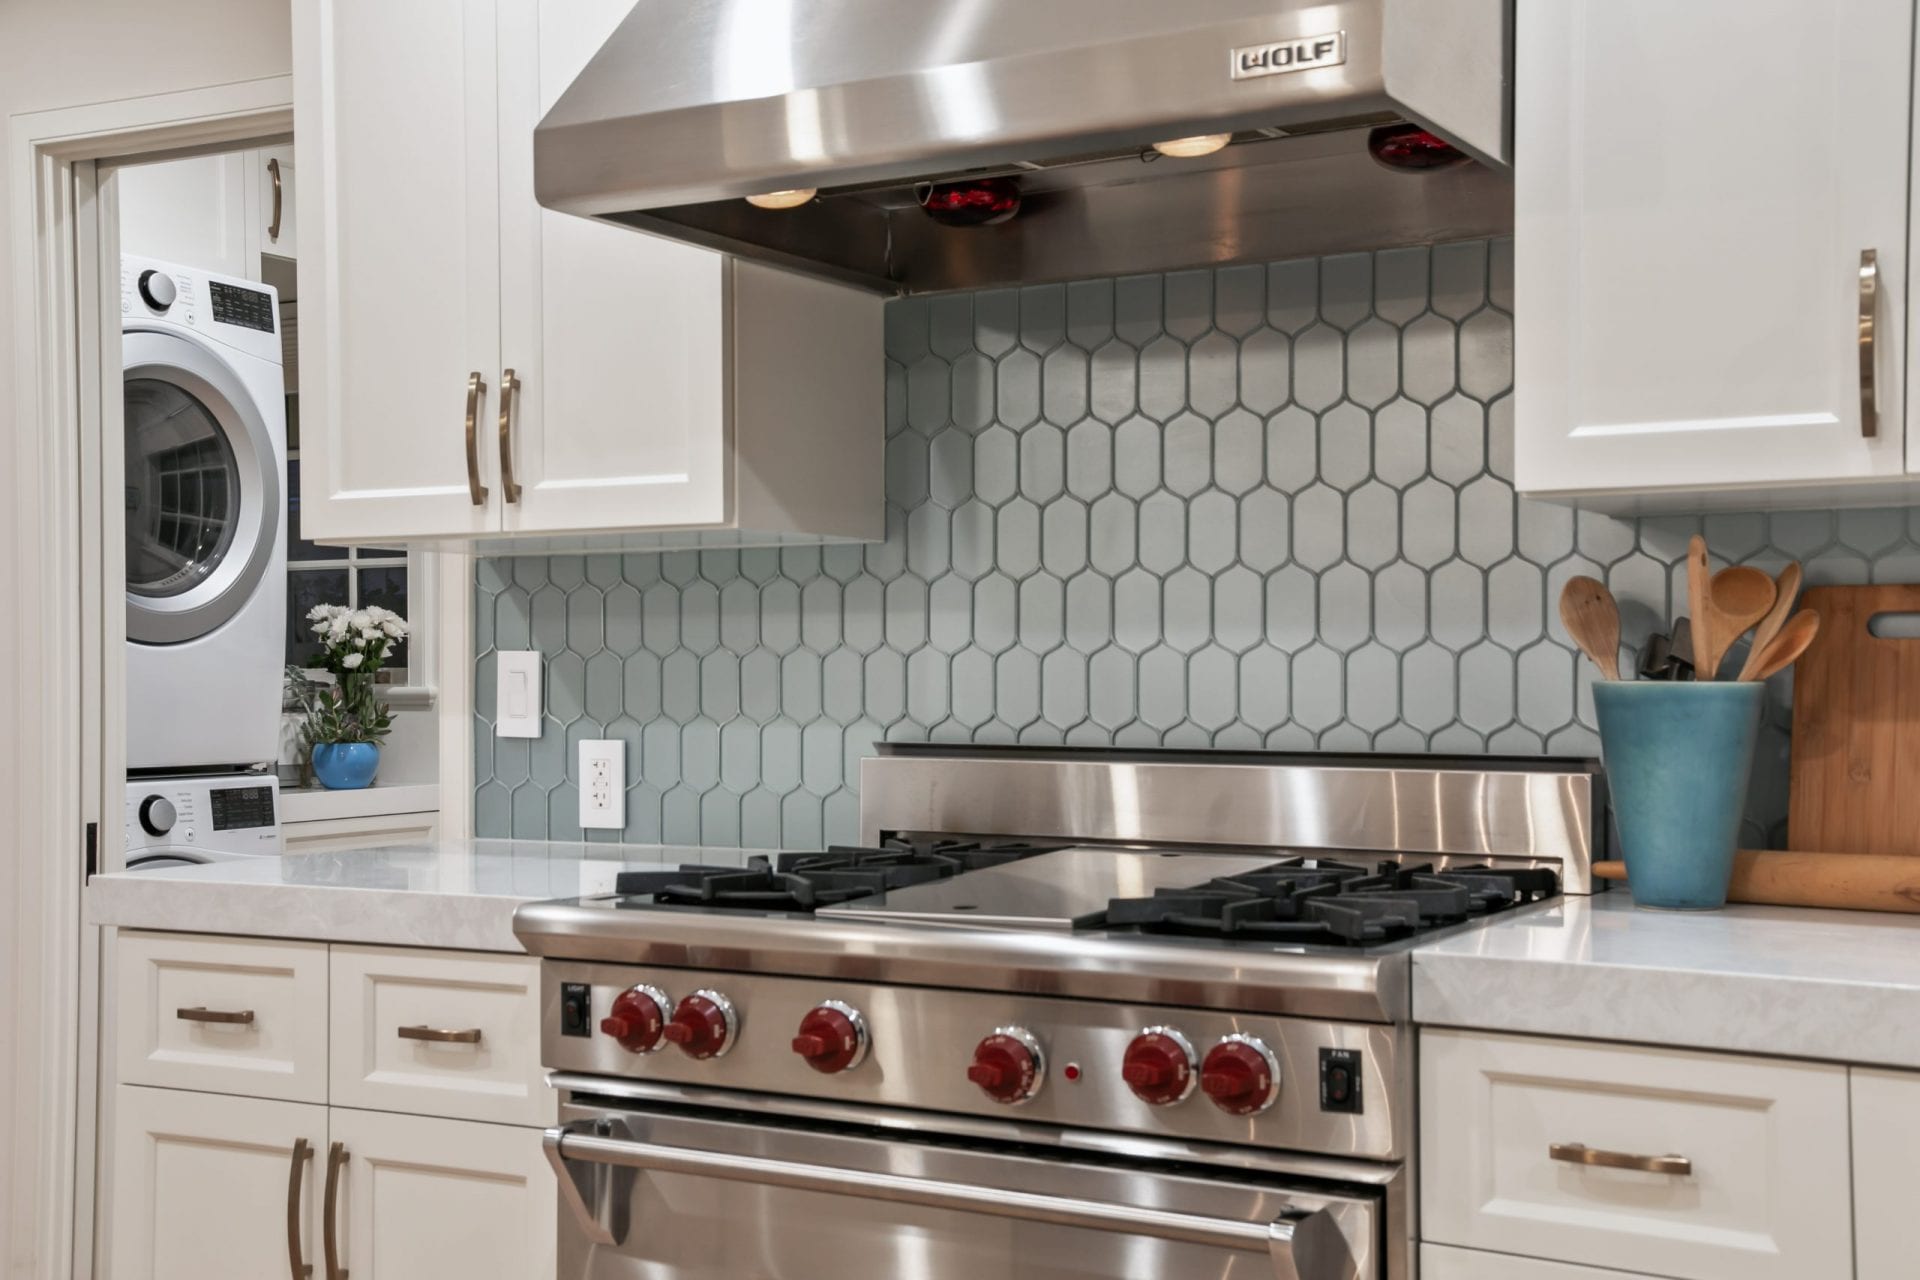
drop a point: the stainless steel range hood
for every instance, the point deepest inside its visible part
(693, 105)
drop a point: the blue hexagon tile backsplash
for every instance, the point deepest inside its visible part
(1252, 507)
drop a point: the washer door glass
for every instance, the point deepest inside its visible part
(202, 489)
(183, 490)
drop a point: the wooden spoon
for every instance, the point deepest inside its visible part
(1592, 618)
(1699, 583)
(1786, 588)
(1786, 647)
(1739, 597)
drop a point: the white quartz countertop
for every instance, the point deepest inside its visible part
(457, 894)
(1840, 985)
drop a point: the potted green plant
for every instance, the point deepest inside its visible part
(345, 722)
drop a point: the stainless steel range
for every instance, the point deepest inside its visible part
(1063, 1015)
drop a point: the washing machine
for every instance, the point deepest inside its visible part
(183, 821)
(206, 516)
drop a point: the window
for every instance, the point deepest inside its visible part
(354, 576)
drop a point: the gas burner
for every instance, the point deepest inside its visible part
(804, 882)
(1333, 903)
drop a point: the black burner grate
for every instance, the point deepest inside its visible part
(1331, 902)
(808, 881)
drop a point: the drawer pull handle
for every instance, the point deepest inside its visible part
(200, 1013)
(1580, 1153)
(441, 1035)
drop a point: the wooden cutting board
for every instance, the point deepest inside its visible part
(1856, 728)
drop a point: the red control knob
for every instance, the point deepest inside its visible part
(833, 1037)
(704, 1025)
(638, 1017)
(1241, 1075)
(1008, 1066)
(1159, 1066)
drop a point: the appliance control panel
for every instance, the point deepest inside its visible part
(242, 314)
(1276, 1082)
(237, 814)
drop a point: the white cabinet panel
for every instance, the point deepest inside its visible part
(443, 1199)
(206, 1185)
(1766, 1198)
(397, 138)
(385, 1000)
(618, 338)
(1688, 239)
(323, 834)
(192, 212)
(1441, 1262)
(1886, 1136)
(235, 1015)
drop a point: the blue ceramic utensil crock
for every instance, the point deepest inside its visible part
(345, 766)
(1678, 757)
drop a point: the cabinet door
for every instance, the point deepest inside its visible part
(192, 212)
(1886, 1133)
(395, 133)
(443, 1199)
(209, 1185)
(1689, 231)
(618, 338)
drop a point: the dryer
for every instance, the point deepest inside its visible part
(206, 518)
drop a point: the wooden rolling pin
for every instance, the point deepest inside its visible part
(1848, 881)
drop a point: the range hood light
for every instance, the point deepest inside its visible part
(1204, 144)
(783, 199)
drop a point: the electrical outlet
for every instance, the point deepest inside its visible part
(603, 783)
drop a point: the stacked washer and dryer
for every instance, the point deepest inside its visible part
(206, 546)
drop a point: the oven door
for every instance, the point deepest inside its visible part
(656, 1192)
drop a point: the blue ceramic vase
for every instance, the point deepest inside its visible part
(345, 766)
(1678, 756)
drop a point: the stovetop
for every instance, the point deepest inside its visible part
(1255, 897)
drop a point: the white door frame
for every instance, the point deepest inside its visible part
(61, 730)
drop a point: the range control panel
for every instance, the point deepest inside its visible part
(1278, 1082)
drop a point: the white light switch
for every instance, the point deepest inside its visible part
(517, 704)
(603, 782)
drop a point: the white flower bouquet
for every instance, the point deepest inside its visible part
(354, 645)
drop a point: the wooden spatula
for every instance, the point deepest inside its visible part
(1699, 607)
(1592, 618)
(1786, 590)
(1786, 646)
(1739, 597)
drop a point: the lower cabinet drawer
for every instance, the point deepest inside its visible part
(1441, 1262)
(439, 1033)
(223, 1015)
(1653, 1161)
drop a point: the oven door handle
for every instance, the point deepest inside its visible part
(1303, 1244)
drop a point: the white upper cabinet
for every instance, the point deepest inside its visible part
(636, 391)
(394, 124)
(1698, 187)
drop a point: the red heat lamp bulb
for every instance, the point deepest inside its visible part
(978, 202)
(1409, 148)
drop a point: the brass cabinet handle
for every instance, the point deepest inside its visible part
(1580, 1153)
(509, 387)
(441, 1035)
(301, 1154)
(273, 171)
(1869, 297)
(476, 387)
(329, 1246)
(200, 1013)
